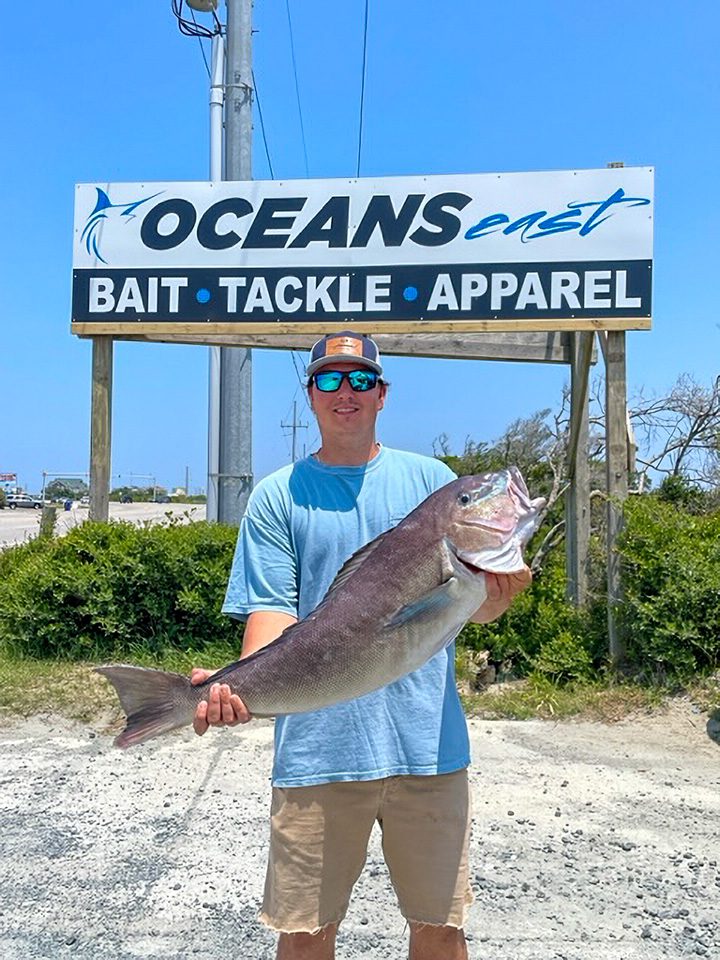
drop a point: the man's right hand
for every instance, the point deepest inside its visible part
(221, 709)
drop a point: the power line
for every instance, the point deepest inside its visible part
(191, 28)
(362, 87)
(262, 127)
(297, 87)
(301, 382)
(202, 48)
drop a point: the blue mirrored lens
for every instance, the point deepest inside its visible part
(328, 381)
(362, 379)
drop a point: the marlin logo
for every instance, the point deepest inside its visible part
(103, 211)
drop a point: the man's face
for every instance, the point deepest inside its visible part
(346, 411)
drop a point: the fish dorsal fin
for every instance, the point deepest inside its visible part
(354, 561)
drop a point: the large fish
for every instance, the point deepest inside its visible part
(393, 605)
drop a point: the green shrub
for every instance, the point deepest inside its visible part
(681, 492)
(108, 588)
(564, 659)
(528, 633)
(671, 574)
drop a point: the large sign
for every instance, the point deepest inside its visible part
(554, 250)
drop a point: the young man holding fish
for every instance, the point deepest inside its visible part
(397, 756)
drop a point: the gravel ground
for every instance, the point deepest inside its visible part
(590, 842)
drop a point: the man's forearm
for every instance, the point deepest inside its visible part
(262, 628)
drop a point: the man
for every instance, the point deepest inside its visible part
(397, 756)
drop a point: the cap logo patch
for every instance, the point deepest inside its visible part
(347, 345)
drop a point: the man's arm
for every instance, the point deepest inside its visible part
(223, 708)
(502, 588)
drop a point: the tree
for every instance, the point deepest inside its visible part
(681, 432)
(678, 436)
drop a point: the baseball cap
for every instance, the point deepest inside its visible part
(344, 346)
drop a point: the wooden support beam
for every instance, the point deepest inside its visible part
(616, 458)
(580, 361)
(175, 329)
(577, 501)
(536, 347)
(100, 427)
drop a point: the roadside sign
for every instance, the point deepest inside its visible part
(559, 250)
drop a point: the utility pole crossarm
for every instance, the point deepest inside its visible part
(295, 425)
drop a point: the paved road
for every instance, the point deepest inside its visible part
(16, 526)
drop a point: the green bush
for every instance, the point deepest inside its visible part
(671, 573)
(564, 659)
(527, 635)
(106, 589)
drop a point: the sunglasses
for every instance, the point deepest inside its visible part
(329, 381)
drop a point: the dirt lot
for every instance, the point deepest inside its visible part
(16, 526)
(590, 842)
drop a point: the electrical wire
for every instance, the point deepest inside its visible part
(297, 87)
(362, 87)
(191, 28)
(299, 375)
(202, 48)
(262, 127)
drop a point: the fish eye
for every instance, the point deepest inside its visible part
(464, 498)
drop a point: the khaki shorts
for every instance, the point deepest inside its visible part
(318, 845)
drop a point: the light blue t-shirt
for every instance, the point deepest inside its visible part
(302, 523)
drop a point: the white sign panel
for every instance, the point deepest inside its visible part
(563, 245)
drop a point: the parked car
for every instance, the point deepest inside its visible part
(15, 500)
(126, 498)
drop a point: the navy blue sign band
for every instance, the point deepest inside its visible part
(498, 291)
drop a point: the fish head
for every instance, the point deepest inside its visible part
(490, 518)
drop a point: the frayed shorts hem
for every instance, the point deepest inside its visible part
(424, 923)
(312, 931)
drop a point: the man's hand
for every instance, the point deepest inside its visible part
(502, 588)
(221, 709)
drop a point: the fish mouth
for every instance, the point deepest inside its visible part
(500, 523)
(472, 568)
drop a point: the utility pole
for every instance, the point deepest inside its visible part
(217, 108)
(294, 426)
(235, 447)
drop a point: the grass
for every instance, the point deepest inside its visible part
(537, 698)
(705, 693)
(73, 690)
(29, 687)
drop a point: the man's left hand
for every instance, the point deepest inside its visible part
(502, 588)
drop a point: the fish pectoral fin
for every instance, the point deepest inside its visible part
(430, 603)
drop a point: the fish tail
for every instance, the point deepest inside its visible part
(153, 701)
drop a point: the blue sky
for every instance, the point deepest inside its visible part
(114, 93)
